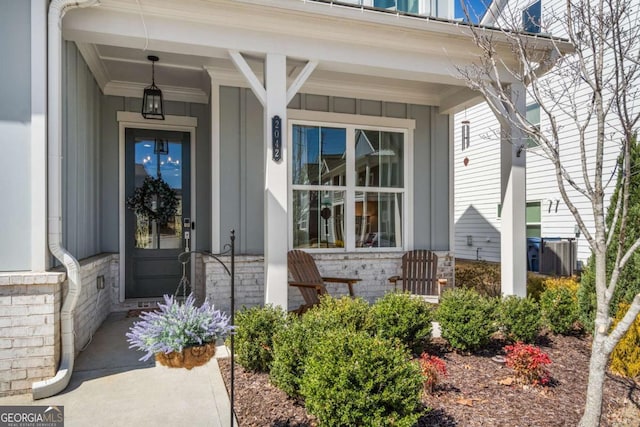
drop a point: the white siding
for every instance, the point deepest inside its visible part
(477, 186)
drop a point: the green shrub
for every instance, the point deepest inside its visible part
(587, 300)
(625, 358)
(559, 309)
(400, 316)
(535, 285)
(466, 318)
(339, 313)
(353, 379)
(253, 343)
(291, 344)
(628, 285)
(290, 351)
(481, 276)
(519, 318)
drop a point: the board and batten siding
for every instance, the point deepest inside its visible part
(15, 118)
(242, 164)
(81, 163)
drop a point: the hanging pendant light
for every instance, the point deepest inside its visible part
(152, 104)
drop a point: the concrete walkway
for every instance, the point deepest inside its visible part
(111, 387)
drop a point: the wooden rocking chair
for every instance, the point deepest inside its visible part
(419, 269)
(306, 277)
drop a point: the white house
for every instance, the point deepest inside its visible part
(477, 164)
(306, 124)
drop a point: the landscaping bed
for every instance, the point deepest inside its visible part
(475, 393)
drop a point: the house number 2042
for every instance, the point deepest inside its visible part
(276, 138)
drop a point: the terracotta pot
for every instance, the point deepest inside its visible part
(189, 357)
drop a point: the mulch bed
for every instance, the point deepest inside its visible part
(472, 394)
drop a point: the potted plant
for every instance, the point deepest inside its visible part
(179, 334)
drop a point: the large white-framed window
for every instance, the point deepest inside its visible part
(349, 183)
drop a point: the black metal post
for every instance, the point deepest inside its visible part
(233, 310)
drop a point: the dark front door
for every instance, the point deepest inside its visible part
(157, 176)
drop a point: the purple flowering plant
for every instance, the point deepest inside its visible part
(177, 325)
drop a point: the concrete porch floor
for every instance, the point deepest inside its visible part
(111, 387)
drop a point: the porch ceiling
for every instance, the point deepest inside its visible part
(359, 55)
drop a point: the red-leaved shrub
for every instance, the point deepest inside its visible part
(529, 363)
(433, 369)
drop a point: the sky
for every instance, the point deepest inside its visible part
(476, 8)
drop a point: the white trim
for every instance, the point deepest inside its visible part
(126, 120)
(131, 89)
(350, 123)
(300, 79)
(452, 206)
(350, 119)
(92, 57)
(38, 128)
(317, 84)
(256, 86)
(136, 120)
(215, 163)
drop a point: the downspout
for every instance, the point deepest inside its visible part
(57, 9)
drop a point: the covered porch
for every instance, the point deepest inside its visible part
(227, 69)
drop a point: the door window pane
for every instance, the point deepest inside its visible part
(378, 219)
(159, 159)
(319, 155)
(379, 159)
(318, 218)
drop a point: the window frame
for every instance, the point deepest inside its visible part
(529, 204)
(531, 143)
(529, 24)
(351, 123)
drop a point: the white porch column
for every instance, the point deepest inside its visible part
(513, 232)
(276, 203)
(274, 97)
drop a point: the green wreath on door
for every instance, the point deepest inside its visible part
(141, 202)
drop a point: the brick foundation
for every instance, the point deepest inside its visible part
(372, 268)
(29, 329)
(30, 304)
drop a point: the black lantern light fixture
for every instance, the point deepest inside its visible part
(152, 104)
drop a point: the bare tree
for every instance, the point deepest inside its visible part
(590, 93)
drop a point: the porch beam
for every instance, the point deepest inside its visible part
(513, 231)
(197, 38)
(301, 78)
(242, 66)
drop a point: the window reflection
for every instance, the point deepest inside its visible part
(318, 219)
(159, 158)
(379, 159)
(378, 220)
(319, 155)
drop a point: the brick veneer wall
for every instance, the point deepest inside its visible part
(29, 329)
(94, 305)
(373, 268)
(30, 304)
